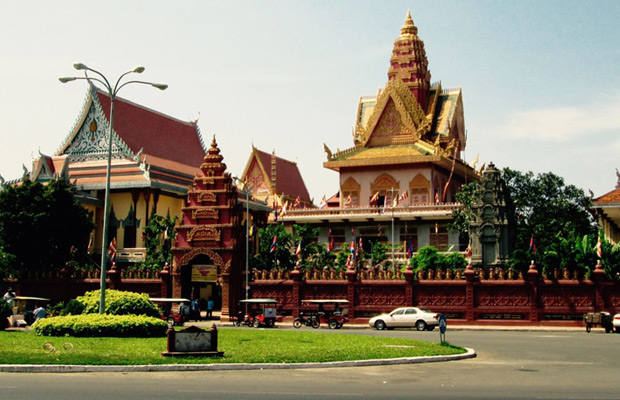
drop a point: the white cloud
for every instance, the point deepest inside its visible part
(564, 123)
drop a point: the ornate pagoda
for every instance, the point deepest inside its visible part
(398, 180)
(209, 251)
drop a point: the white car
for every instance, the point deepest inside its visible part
(406, 317)
(616, 323)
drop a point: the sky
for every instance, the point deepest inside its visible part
(540, 81)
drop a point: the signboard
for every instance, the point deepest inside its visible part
(204, 273)
(443, 325)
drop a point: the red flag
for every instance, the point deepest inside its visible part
(468, 250)
(403, 196)
(273, 244)
(374, 199)
(112, 250)
(297, 202)
(532, 245)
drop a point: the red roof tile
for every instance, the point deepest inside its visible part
(611, 197)
(288, 178)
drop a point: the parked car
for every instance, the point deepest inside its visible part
(406, 317)
(616, 323)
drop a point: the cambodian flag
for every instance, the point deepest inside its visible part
(273, 244)
(532, 245)
(409, 249)
(353, 249)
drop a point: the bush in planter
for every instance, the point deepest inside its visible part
(119, 303)
(102, 325)
(73, 307)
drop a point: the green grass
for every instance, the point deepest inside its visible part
(239, 346)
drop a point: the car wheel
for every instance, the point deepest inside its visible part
(333, 324)
(380, 325)
(420, 325)
(297, 324)
(316, 323)
(256, 323)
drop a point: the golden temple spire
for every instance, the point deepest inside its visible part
(408, 27)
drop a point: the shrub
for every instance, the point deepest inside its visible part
(101, 325)
(5, 311)
(73, 307)
(119, 303)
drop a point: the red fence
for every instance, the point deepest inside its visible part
(64, 285)
(474, 296)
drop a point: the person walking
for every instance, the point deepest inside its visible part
(39, 313)
(210, 308)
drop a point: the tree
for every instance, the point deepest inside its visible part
(42, 225)
(266, 259)
(158, 236)
(549, 211)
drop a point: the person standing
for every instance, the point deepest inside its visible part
(9, 297)
(39, 313)
(210, 308)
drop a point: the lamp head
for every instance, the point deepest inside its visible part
(160, 86)
(79, 66)
(66, 79)
(139, 69)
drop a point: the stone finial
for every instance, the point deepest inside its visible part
(408, 27)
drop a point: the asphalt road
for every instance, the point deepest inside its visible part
(510, 365)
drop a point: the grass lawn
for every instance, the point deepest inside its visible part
(238, 344)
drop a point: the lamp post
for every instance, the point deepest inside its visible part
(112, 92)
(247, 239)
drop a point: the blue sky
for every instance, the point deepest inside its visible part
(540, 79)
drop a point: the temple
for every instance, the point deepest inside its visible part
(154, 160)
(607, 208)
(398, 180)
(275, 181)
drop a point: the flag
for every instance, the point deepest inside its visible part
(112, 250)
(273, 244)
(468, 249)
(353, 231)
(330, 245)
(348, 200)
(436, 228)
(166, 233)
(298, 251)
(353, 249)
(361, 245)
(323, 202)
(532, 245)
(275, 210)
(409, 249)
(90, 245)
(252, 230)
(395, 202)
(297, 202)
(436, 197)
(284, 208)
(403, 196)
(599, 247)
(374, 199)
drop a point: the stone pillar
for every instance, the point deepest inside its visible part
(598, 277)
(470, 278)
(409, 288)
(164, 276)
(351, 278)
(532, 277)
(296, 278)
(114, 278)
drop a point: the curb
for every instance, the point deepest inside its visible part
(227, 367)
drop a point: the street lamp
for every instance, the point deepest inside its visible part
(247, 236)
(112, 92)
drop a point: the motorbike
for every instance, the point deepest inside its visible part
(307, 320)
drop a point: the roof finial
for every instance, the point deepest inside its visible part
(408, 27)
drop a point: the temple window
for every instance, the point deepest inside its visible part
(419, 188)
(350, 193)
(439, 237)
(387, 187)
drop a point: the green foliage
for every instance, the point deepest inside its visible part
(429, 257)
(342, 256)
(5, 310)
(462, 216)
(46, 218)
(119, 303)
(158, 236)
(101, 325)
(378, 252)
(7, 264)
(73, 307)
(265, 259)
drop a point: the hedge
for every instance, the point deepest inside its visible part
(101, 325)
(119, 303)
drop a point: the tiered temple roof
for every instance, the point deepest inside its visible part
(149, 149)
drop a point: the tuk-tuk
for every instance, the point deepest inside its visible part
(175, 311)
(23, 310)
(332, 312)
(260, 312)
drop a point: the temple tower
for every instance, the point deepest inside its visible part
(409, 63)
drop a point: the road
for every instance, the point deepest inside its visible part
(510, 365)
